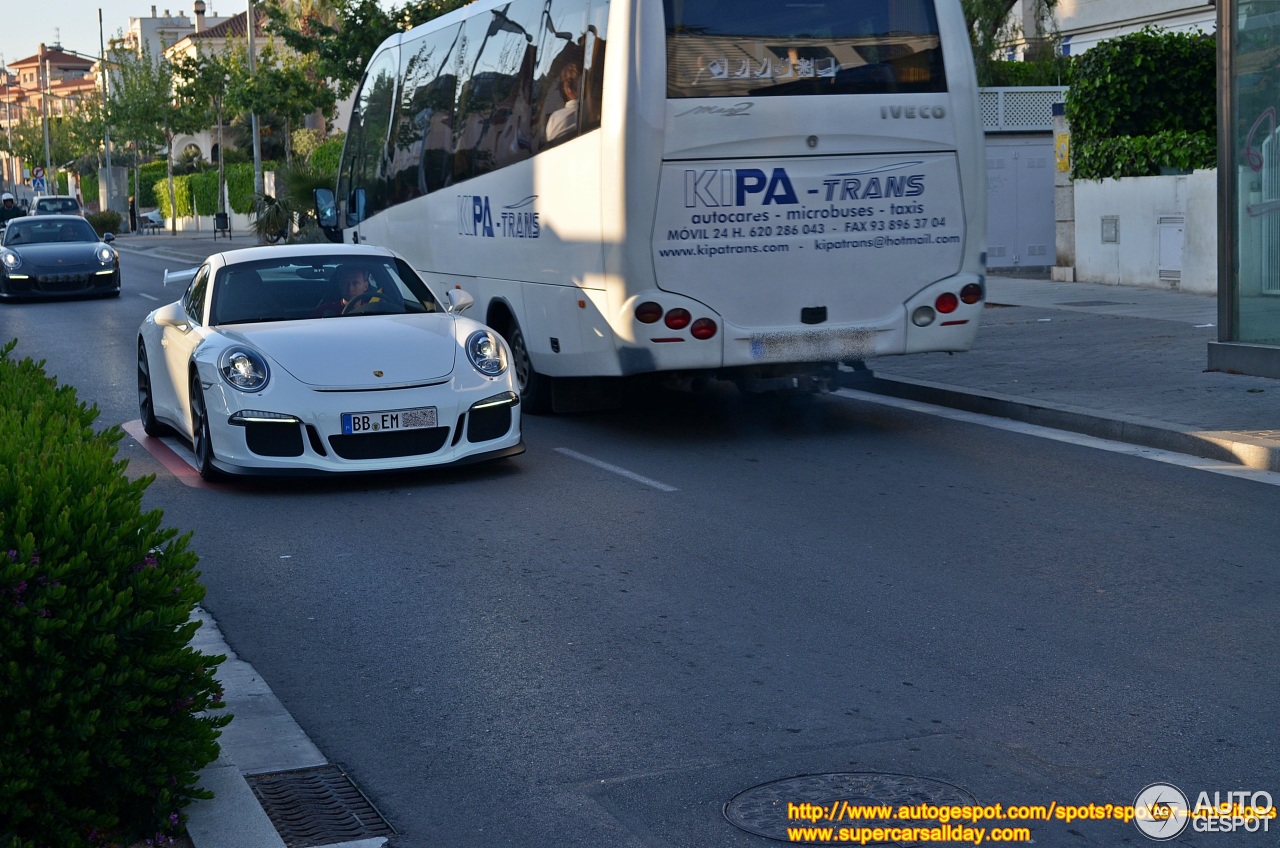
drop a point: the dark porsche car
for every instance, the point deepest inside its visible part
(57, 256)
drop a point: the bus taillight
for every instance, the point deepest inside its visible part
(971, 293)
(648, 312)
(703, 329)
(678, 318)
(946, 303)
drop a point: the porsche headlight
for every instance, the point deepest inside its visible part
(486, 353)
(106, 255)
(244, 369)
(11, 260)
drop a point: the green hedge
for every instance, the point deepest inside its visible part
(103, 724)
(326, 158)
(1051, 70)
(148, 174)
(89, 188)
(1144, 155)
(203, 187)
(1154, 85)
(104, 222)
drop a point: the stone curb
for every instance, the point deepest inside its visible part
(1244, 449)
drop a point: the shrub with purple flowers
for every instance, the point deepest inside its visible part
(107, 714)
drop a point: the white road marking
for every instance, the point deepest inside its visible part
(148, 296)
(630, 475)
(1229, 469)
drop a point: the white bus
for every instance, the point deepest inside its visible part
(761, 191)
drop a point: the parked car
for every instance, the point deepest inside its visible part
(57, 256)
(56, 204)
(266, 369)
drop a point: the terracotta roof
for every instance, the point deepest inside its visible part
(233, 27)
(55, 57)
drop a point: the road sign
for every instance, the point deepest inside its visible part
(37, 185)
(38, 172)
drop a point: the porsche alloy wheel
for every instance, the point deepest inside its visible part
(201, 443)
(146, 401)
(535, 388)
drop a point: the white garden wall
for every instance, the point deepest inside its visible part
(1159, 232)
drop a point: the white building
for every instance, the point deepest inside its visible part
(160, 32)
(1083, 23)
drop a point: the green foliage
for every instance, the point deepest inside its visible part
(89, 187)
(181, 196)
(274, 215)
(203, 187)
(1047, 70)
(103, 723)
(991, 31)
(327, 157)
(150, 174)
(204, 191)
(1154, 85)
(240, 186)
(141, 98)
(340, 36)
(1175, 151)
(104, 222)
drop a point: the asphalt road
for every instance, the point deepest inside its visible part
(548, 652)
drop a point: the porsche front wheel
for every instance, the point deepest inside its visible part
(201, 442)
(146, 400)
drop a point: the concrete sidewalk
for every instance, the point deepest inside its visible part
(1116, 362)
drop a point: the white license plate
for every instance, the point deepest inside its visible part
(380, 422)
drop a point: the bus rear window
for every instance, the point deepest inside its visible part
(753, 48)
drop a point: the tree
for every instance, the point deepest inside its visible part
(207, 80)
(342, 35)
(990, 29)
(286, 86)
(139, 97)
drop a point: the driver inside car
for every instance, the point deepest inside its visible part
(355, 292)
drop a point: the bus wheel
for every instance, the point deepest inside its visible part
(535, 388)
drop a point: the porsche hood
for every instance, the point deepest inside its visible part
(356, 352)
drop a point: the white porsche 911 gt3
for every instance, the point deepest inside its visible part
(324, 358)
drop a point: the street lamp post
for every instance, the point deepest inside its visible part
(44, 116)
(251, 25)
(104, 205)
(8, 125)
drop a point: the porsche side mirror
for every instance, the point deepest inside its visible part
(171, 316)
(459, 301)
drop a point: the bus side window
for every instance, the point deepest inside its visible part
(423, 141)
(366, 152)
(560, 72)
(593, 83)
(494, 89)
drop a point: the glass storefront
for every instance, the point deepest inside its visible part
(1254, 66)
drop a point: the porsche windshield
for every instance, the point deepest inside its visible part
(33, 231)
(296, 288)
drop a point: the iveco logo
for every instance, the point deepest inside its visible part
(887, 112)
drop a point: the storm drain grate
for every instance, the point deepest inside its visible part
(317, 806)
(774, 810)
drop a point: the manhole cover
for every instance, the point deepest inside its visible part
(782, 809)
(317, 806)
(1092, 303)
